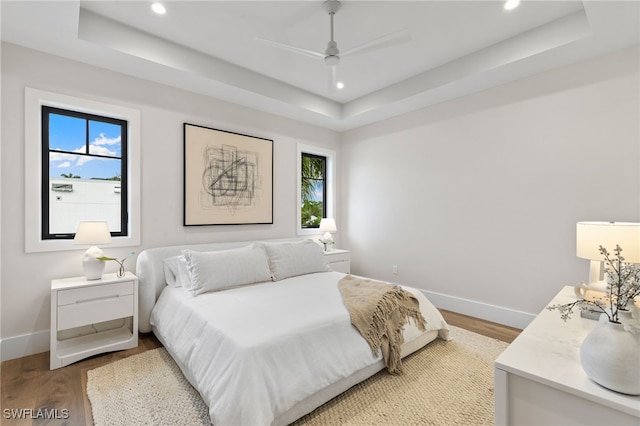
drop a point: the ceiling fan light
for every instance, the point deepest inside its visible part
(332, 59)
(340, 85)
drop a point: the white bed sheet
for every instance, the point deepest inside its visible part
(254, 352)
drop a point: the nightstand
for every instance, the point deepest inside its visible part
(78, 302)
(539, 379)
(339, 260)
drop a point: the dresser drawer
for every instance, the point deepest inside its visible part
(91, 305)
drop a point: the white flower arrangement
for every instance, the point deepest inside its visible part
(326, 243)
(623, 285)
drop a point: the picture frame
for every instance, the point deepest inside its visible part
(228, 177)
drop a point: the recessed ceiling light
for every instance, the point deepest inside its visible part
(340, 85)
(511, 4)
(158, 8)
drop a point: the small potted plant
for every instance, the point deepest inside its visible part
(610, 353)
(120, 262)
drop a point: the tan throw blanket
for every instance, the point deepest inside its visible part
(380, 311)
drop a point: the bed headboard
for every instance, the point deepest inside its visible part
(150, 272)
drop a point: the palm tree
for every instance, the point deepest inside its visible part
(312, 168)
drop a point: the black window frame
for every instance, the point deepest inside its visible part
(46, 111)
(324, 159)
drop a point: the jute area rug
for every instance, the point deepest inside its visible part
(446, 383)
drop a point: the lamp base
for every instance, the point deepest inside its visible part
(92, 267)
(597, 279)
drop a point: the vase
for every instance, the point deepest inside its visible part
(610, 356)
(120, 272)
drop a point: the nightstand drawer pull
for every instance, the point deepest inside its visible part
(93, 299)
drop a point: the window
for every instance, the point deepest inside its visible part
(82, 162)
(313, 190)
(90, 152)
(315, 187)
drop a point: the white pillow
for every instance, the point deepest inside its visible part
(175, 271)
(290, 259)
(219, 270)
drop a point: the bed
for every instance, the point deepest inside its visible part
(260, 328)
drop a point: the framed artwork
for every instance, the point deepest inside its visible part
(228, 178)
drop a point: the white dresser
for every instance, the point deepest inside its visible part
(539, 379)
(78, 302)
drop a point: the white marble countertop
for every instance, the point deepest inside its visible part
(548, 352)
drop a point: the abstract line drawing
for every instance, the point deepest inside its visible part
(228, 178)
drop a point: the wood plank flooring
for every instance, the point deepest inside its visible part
(28, 384)
(486, 328)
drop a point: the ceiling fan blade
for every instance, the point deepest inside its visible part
(381, 42)
(294, 49)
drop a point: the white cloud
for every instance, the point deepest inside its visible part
(100, 150)
(103, 140)
(64, 165)
(58, 156)
(100, 144)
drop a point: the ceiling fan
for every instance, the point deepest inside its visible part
(332, 54)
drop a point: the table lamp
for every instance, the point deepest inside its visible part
(92, 234)
(591, 235)
(327, 225)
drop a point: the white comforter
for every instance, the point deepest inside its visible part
(253, 352)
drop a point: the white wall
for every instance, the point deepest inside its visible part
(25, 278)
(476, 200)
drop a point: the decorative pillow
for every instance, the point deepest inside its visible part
(289, 259)
(183, 278)
(219, 270)
(175, 271)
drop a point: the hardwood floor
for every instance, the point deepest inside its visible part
(28, 384)
(486, 328)
(36, 394)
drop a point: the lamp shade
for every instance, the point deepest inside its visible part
(591, 235)
(328, 225)
(92, 233)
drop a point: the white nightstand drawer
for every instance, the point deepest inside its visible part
(338, 260)
(94, 311)
(337, 257)
(91, 293)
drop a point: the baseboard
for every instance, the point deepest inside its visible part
(24, 345)
(472, 308)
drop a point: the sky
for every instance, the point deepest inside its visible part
(69, 134)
